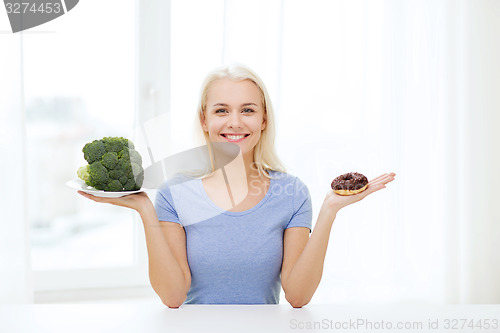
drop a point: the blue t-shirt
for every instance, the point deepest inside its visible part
(235, 257)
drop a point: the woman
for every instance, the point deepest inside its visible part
(237, 234)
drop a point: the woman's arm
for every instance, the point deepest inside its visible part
(304, 256)
(169, 272)
(303, 259)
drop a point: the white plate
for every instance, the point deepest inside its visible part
(80, 185)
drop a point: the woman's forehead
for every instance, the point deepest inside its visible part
(227, 91)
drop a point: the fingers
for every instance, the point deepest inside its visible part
(379, 183)
(86, 195)
(92, 197)
(374, 188)
(382, 179)
(128, 201)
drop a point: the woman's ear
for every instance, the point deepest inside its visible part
(264, 123)
(202, 121)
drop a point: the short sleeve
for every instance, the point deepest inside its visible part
(302, 207)
(165, 209)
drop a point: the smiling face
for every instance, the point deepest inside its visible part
(234, 112)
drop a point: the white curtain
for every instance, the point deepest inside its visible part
(373, 86)
(477, 146)
(15, 277)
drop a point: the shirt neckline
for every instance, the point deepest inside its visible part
(244, 212)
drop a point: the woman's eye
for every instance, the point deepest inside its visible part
(221, 111)
(248, 110)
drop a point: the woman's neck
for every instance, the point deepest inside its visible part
(237, 184)
(241, 170)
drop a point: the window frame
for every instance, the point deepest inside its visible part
(152, 94)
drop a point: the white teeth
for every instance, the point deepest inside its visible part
(234, 137)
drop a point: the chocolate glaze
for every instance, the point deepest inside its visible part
(349, 181)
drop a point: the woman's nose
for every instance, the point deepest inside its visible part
(234, 120)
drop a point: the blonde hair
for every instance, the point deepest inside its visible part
(265, 156)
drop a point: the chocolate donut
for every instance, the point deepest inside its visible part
(349, 183)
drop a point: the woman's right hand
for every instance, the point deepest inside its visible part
(137, 201)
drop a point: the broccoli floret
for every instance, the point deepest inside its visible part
(114, 186)
(135, 156)
(124, 165)
(132, 155)
(116, 173)
(114, 144)
(83, 173)
(98, 175)
(113, 165)
(110, 160)
(93, 151)
(123, 179)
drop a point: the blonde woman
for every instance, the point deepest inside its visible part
(237, 234)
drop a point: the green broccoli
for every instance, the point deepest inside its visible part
(113, 165)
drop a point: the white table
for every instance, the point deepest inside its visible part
(152, 318)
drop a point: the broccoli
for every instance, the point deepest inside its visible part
(113, 165)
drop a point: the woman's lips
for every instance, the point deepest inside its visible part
(235, 137)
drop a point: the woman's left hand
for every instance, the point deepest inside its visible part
(334, 202)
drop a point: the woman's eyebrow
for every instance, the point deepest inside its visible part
(223, 104)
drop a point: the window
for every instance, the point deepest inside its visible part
(74, 96)
(82, 83)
